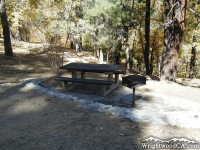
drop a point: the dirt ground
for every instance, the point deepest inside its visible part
(31, 120)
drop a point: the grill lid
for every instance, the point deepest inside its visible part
(133, 81)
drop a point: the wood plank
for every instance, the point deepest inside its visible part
(92, 81)
(87, 67)
(119, 72)
(82, 74)
(110, 89)
(117, 79)
(74, 74)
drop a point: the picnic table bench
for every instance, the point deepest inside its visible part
(106, 85)
(102, 83)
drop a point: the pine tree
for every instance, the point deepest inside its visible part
(175, 12)
(6, 32)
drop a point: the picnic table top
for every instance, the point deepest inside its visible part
(91, 67)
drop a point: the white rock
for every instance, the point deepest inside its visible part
(178, 115)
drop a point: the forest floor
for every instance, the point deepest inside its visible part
(31, 119)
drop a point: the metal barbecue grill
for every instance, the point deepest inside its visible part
(132, 82)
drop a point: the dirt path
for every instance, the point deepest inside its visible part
(33, 120)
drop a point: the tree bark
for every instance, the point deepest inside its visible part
(126, 48)
(127, 58)
(174, 25)
(193, 57)
(152, 55)
(147, 33)
(6, 31)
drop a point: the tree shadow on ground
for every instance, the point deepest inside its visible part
(34, 120)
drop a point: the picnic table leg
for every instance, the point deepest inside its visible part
(103, 90)
(107, 89)
(82, 75)
(110, 78)
(117, 79)
(65, 85)
(74, 74)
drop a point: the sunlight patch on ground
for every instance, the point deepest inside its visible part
(27, 107)
(33, 104)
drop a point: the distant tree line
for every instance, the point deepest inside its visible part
(154, 37)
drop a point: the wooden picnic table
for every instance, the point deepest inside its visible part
(108, 69)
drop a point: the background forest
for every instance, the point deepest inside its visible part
(114, 27)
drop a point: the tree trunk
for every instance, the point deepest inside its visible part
(173, 32)
(193, 57)
(151, 62)
(126, 47)
(127, 58)
(6, 32)
(152, 56)
(100, 56)
(147, 33)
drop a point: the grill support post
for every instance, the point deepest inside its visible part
(133, 81)
(133, 102)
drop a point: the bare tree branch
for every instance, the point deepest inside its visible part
(194, 12)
